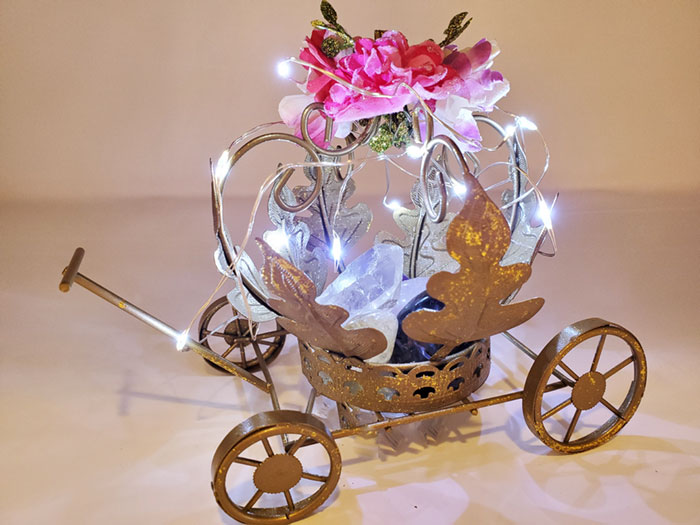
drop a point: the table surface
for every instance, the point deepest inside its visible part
(103, 421)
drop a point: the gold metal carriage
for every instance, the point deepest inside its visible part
(371, 396)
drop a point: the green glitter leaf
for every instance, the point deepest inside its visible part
(382, 139)
(330, 47)
(455, 28)
(329, 13)
(331, 24)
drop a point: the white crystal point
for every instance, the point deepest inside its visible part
(368, 289)
(382, 320)
(368, 283)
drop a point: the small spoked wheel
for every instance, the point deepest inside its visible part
(224, 331)
(584, 386)
(275, 467)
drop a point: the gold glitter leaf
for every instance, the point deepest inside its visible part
(477, 238)
(311, 322)
(455, 28)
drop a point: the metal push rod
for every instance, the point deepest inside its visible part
(71, 275)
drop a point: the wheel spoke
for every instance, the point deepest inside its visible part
(290, 501)
(618, 367)
(244, 361)
(559, 407)
(314, 477)
(612, 409)
(598, 351)
(568, 370)
(230, 349)
(253, 500)
(245, 461)
(553, 387)
(297, 445)
(268, 343)
(273, 333)
(572, 426)
(268, 447)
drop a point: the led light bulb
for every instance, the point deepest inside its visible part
(336, 248)
(510, 131)
(459, 188)
(414, 151)
(181, 341)
(284, 69)
(393, 204)
(545, 215)
(278, 240)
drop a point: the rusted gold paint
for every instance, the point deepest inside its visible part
(314, 323)
(588, 389)
(477, 238)
(278, 473)
(396, 388)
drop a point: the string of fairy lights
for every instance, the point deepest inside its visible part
(278, 239)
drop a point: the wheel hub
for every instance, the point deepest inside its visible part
(278, 473)
(234, 330)
(588, 390)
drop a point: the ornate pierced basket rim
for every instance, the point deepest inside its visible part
(403, 367)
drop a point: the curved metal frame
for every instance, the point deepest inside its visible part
(450, 145)
(227, 248)
(517, 160)
(363, 137)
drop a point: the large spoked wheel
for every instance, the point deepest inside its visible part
(286, 463)
(224, 331)
(599, 356)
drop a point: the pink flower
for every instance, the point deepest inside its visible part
(453, 83)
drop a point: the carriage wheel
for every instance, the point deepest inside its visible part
(585, 391)
(278, 472)
(227, 333)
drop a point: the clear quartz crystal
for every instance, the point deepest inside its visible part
(410, 288)
(368, 289)
(368, 283)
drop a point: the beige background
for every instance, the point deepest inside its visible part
(104, 105)
(108, 99)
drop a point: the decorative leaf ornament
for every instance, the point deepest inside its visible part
(424, 248)
(477, 238)
(329, 213)
(312, 261)
(342, 40)
(311, 322)
(455, 28)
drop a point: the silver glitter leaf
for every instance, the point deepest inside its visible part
(526, 237)
(424, 246)
(257, 312)
(329, 213)
(311, 260)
